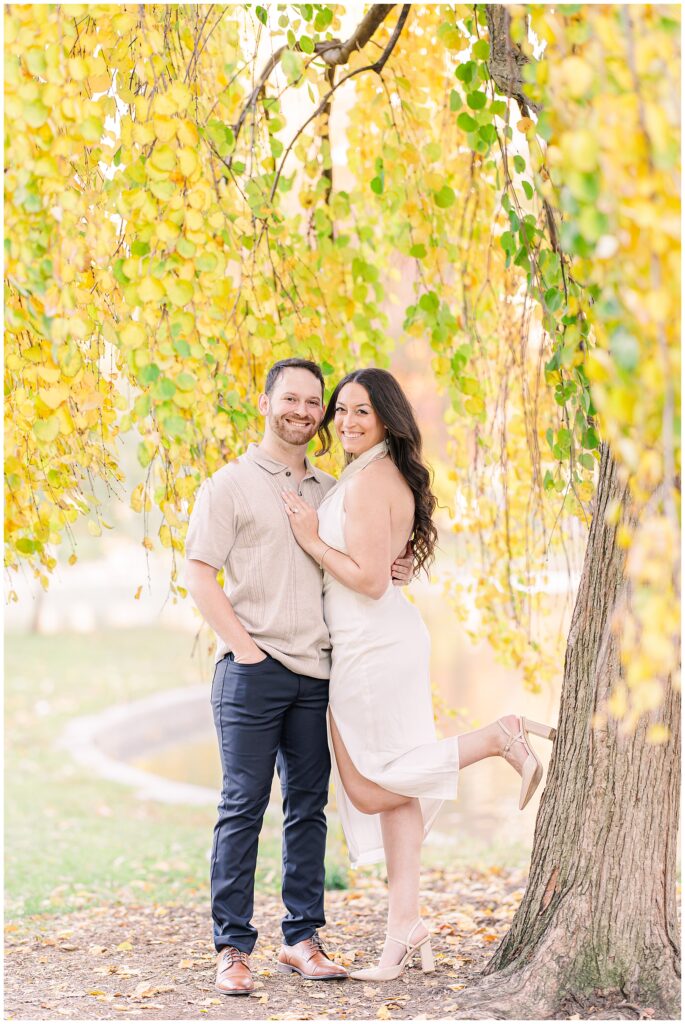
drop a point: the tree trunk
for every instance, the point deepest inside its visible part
(597, 926)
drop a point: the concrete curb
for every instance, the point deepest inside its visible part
(103, 742)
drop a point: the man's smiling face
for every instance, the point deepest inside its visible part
(295, 408)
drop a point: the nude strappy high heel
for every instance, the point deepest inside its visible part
(531, 773)
(390, 973)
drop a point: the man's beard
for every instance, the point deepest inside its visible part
(291, 434)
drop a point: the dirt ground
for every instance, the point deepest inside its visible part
(156, 962)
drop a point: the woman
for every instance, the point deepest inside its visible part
(391, 772)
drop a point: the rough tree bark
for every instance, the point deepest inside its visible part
(598, 921)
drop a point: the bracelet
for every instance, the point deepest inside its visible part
(328, 548)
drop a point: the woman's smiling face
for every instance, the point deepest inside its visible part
(357, 424)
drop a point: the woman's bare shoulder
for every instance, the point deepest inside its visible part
(381, 476)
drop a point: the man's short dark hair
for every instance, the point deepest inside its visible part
(277, 369)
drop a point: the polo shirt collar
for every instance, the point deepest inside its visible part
(255, 454)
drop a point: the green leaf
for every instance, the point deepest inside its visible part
(185, 247)
(488, 133)
(118, 271)
(292, 65)
(418, 251)
(144, 454)
(590, 439)
(466, 72)
(625, 349)
(476, 100)
(176, 426)
(181, 347)
(164, 389)
(429, 302)
(553, 299)
(148, 374)
(323, 18)
(522, 259)
(481, 49)
(377, 185)
(445, 197)
(262, 14)
(519, 164)
(206, 261)
(306, 44)
(455, 100)
(586, 460)
(141, 406)
(527, 188)
(467, 123)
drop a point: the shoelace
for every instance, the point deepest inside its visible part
(232, 955)
(315, 941)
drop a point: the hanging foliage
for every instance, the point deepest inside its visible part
(176, 220)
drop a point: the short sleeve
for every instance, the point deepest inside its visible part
(212, 525)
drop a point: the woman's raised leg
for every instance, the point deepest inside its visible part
(367, 796)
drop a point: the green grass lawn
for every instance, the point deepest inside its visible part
(73, 840)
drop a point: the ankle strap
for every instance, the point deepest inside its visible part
(511, 737)
(405, 942)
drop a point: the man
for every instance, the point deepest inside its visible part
(270, 686)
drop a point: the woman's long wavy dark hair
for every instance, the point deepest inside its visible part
(404, 439)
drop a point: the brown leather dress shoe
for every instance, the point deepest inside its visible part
(233, 974)
(309, 959)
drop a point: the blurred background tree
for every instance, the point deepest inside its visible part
(510, 183)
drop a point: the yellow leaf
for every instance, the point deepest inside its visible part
(383, 1013)
(187, 133)
(617, 703)
(133, 335)
(180, 292)
(165, 128)
(46, 430)
(150, 290)
(577, 76)
(658, 733)
(52, 397)
(163, 158)
(187, 161)
(125, 946)
(194, 220)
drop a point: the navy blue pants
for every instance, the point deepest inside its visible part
(266, 715)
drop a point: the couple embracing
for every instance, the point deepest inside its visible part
(322, 663)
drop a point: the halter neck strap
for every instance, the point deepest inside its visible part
(357, 464)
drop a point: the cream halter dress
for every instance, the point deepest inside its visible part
(380, 693)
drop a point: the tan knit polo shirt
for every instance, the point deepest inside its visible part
(239, 523)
